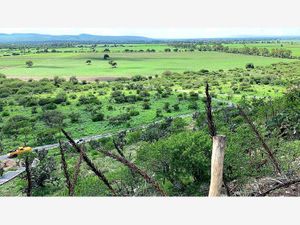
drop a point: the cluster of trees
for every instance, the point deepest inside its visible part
(276, 52)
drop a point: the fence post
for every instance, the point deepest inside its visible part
(217, 161)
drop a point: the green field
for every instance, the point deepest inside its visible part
(129, 64)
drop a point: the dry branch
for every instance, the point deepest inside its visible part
(210, 121)
(260, 138)
(98, 173)
(135, 169)
(285, 184)
(28, 177)
(65, 167)
(70, 184)
(76, 173)
(119, 150)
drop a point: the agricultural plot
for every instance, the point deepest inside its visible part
(128, 64)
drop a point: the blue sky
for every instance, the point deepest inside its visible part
(163, 32)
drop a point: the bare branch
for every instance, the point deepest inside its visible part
(98, 173)
(65, 168)
(119, 150)
(260, 138)
(135, 169)
(285, 184)
(28, 177)
(76, 173)
(210, 121)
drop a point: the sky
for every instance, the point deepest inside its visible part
(163, 32)
(153, 18)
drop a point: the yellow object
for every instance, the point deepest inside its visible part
(19, 151)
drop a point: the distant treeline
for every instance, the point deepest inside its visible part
(276, 52)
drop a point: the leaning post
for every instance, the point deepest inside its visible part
(217, 164)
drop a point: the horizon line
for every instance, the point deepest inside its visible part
(161, 33)
(242, 36)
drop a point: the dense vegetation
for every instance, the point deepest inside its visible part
(175, 150)
(239, 49)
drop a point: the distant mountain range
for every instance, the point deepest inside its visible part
(81, 38)
(33, 38)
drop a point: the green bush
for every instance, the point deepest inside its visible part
(97, 116)
(180, 162)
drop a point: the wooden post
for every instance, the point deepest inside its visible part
(217, 161)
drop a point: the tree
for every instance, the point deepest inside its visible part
(249, 66)
(29, 63)
(106, 57)
(44, 169)
(88, 62)
(113, 64)
(53, 118)
(16, 125)
(73, 80)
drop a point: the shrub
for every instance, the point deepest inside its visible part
(146, 105)
(193, 105)
(29, 63)
(50, 106)
(43, 172)
(97, 116)
(46, 136)
(181, 160)
(178, 125)
(117, 120)
(159, 113)
(74, 117)
(53, 118)
(15, 125)
(157, 130)
(176, 107)
(60, 98)
(1, 106)
(88, 99)
(249, 66)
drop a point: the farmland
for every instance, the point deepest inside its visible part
(62, 89)
(72, 62)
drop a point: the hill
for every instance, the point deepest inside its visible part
(24, 38)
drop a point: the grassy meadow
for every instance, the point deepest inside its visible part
(72, 62)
